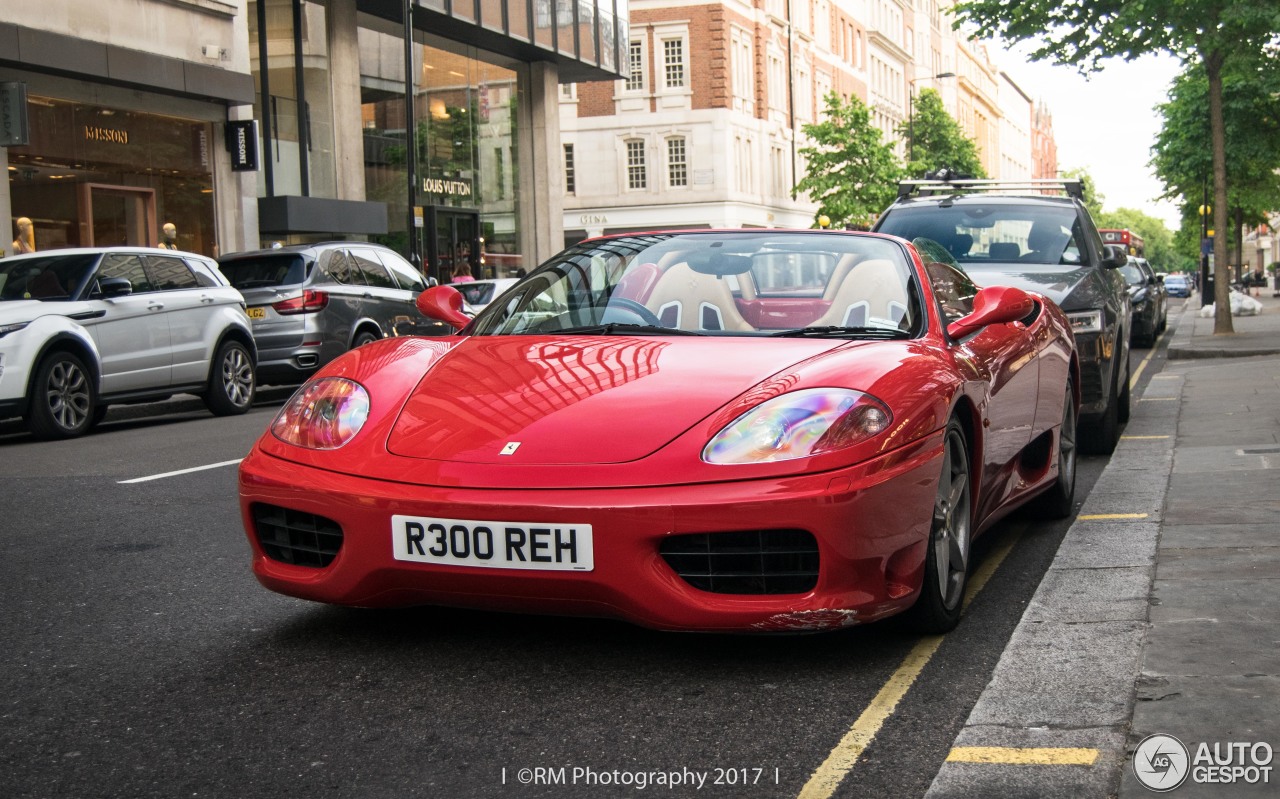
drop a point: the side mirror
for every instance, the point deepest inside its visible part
(1114, 256)
(115, 286)
(443, 304)
(994, 305)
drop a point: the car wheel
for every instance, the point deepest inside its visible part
(231, 382)
(62, 401)
(1058, 501)
(1101, 436)
(1122, 408)
(946, 565)
(362, 338)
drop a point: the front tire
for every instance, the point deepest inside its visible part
(1101, 437)
(231, 382)
(62, 399)
(946, 567)
(1059, 500)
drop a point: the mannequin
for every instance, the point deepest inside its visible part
(169, 241)
(26, 241)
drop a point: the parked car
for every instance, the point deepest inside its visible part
(476, 294)
(1147, 295)
(81, 329)
(1177, 286)
(1013, 234)
(757, 430)
(310, 303)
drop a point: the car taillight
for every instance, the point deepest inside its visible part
(310, 302)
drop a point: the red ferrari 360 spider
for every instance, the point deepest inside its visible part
(714, 430)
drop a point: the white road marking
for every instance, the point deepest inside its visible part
(180, 471)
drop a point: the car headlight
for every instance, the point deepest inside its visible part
(323, 414)
(798, 425)
(12, 328)
(1085, 321)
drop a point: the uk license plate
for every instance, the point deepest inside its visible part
(536, 546)
(257, 313)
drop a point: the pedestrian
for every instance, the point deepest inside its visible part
(462, 273)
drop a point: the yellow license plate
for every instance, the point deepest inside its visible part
(257, 313)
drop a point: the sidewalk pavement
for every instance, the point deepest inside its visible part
(1159, 612)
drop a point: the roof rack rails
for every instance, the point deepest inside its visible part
(1072, 188)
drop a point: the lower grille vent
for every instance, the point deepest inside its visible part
(295, 537)
(747, 562)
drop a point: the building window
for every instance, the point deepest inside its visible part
(743, 69)
(570, 171)
(677, 163)
(777, 82)
(569, 91)
(673, 63)
(635, 66)
(637, 173)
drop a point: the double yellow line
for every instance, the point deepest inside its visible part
(828, 776)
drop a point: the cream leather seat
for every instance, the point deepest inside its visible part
(690, 300)
(871, 292)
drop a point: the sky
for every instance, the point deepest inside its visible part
(1105, 122)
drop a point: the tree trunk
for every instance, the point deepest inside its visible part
(1221, 267)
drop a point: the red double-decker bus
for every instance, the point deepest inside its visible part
(1131, 241)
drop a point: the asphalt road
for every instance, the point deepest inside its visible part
(140, 658)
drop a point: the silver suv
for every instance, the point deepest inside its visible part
(81, 329)
(311, 303)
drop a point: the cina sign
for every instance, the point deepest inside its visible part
(109, 135)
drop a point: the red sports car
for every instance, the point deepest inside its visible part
(714, 430)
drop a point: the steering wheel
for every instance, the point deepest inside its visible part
(626, 307)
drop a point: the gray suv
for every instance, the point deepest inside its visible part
(81, 329)
(311, 303)
(1016, 234)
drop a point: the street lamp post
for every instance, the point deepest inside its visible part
(911, 111)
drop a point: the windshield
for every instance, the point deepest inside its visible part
(731, 283)
(51, 277)
(1133, 275)
(994, 233)
(286, 269)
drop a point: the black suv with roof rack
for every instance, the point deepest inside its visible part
(1037, 235)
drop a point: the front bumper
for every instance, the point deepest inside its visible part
(871, 523)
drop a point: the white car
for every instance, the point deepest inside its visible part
(81, 329)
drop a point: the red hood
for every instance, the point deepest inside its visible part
(580, 400)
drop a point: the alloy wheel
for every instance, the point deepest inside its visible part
(951, 522)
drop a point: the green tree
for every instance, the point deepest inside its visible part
(1252, 124)
(852, 173)
(1155, 234)
(1093, 200)
(1082, 33)
(934, 140)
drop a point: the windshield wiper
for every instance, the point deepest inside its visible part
(835, 331)
(625, 328)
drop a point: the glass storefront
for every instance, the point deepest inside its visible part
(465, 111)
(98, 176)
(293, 112)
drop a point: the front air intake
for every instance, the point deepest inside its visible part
(745, 562)
(295, 537)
